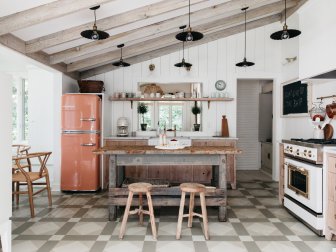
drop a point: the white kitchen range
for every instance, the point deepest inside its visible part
(305, 181)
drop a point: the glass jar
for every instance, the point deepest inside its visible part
(317, 112)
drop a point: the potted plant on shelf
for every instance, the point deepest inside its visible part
(143, 109)
(196, 110)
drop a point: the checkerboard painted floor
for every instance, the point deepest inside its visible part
(78, 222)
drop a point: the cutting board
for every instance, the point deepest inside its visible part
(328, 131)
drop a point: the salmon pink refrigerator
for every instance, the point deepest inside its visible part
(80, 168)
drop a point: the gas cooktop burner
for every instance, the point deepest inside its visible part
(316, 141)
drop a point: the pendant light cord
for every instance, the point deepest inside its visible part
(121, 54)
(95, 17)
(189, 13)
(245, 36)
(182, 49)
(285, 12)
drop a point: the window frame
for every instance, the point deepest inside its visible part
(21, 86)
(154, 109)
(171, 104)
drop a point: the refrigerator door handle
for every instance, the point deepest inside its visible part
(88, 119)
(88, 144)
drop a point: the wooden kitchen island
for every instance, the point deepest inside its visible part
(121, 156)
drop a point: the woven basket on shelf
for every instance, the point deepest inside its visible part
(91, 86)
(151, 88)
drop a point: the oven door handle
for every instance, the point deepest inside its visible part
(302, 170)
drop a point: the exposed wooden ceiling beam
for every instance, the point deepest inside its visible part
(18, 45)
(292, 10)
(165, 40)
(200, 17)
(172, 48)
(108, 23)
(44, 13)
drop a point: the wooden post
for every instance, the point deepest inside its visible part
(191, 209)
(204, 215)
(222, 184)
(180, 217)
(127, 209)
(113, 183)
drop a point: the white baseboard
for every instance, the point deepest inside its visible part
(56, 187)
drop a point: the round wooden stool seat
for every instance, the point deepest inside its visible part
(192, 187)
(140, 187)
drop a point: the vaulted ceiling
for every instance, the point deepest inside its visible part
(49, 31)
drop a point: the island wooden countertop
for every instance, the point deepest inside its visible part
(193, 150)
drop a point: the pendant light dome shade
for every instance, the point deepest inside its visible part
(285, 33)
(189, 35)
(94, 34)
(183, 63)
(245, 63)
(121, 62)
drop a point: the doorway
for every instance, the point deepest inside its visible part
(254, 124)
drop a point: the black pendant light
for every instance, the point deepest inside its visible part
(285, 33)
(121, 62)
(189, 35)
(183, 63)
(245, 63)
(94, 34)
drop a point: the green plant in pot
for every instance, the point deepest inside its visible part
(142, 110)
(196, 110)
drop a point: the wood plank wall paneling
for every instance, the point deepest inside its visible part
(211, 62)
(248, 124)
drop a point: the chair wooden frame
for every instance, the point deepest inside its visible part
(22, 177)
(22, 150)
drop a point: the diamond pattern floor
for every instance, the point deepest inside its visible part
(78, 222)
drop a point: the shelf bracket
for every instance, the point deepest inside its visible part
(131, 104)
(208, 104)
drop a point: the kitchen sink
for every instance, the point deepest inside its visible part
(186, 141)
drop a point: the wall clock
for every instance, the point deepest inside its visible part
(220, 85)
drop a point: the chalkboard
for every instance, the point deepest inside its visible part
(295, 98)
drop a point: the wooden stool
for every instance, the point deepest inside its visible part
(192, 188)
(139, 188)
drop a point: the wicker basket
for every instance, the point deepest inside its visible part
(91, 86)
(151, 88)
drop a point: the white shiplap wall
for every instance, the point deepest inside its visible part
(212, 61)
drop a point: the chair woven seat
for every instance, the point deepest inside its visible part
(20, 177)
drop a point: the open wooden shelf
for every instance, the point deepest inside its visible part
(223, 99)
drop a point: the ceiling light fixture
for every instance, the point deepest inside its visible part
(183, 63)
(245, 63)
(95, 34)
(189, 35)
(285, 33)
(121, 62)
